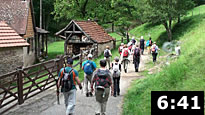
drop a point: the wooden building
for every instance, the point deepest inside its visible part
(19, 15)
(79, 35)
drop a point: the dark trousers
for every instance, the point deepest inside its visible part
(116, 85)
(136, 61)
(154, 55)
(136, 64)
(142, 50)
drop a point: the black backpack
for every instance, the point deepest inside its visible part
(137, 52)
(107, 54)
(66, 81)
(102, 78)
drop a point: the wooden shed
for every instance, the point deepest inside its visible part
(19, 15)
(79, 35)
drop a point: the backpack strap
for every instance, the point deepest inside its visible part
(74, 75)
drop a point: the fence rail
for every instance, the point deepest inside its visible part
(18, 86)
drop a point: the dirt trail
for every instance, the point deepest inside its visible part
(45, 103)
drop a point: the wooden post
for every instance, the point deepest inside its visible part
(46, 45)
(122, 40)
(43, 43)
(81, 58)
(20, 86)
(58, 62)
(65, 48)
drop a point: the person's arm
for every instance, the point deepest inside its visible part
(94, 66)
(110, 52)
(83, 65)
(78, 82)
(111, 84)
(121, 56)
(92, 82)
(75, 73)
(120, 67)
(60, 75)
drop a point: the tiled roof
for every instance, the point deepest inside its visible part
(15, 13)
(95, 31)
(9, 37)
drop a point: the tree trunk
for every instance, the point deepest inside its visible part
(127, 37)
(169, 32)
(179, 19)
(113, 25)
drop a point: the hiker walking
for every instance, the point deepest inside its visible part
(88, 67)
(142, 42)
(121, 48)
(136, 58)
(107, 55)
(67, 80)
(103, 81)
(150, 45)
(116, 73)
(133, 41)
(124, 57)
(154, 51)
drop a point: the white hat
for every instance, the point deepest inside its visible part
(122, 44)
(90, 55)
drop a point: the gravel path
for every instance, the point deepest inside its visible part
(45, 103)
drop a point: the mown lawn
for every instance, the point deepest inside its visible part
(185, 74)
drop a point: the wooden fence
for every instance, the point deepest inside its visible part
(24, 83)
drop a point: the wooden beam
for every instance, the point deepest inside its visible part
(76, 32)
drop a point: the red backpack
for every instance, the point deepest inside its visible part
(125, 53)
(153, 49)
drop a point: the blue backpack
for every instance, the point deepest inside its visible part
(147, 43)
(88, 68)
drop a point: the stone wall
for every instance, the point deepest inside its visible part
(102, 47)
(28, 58)
(10, 59)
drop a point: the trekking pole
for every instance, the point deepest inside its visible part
(57, 92)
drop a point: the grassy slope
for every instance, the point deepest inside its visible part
(187, 73)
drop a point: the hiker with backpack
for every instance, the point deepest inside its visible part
(125, 57)
(116, 72)
(150, 45)
(88, 67)
(67, 80)
(107, 55)
(154, 51)
(136, 58)
(133, 41)
(142, 43)
(103, 81)
(121, 48)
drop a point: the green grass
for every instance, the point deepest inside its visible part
(185, 74)
(55, 48)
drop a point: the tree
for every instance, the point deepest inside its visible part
(165, 11)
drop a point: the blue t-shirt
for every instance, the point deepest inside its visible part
(91, 62)
(67, 70)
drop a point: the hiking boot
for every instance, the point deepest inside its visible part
(87, 94)
(97, 113)
(118, 94)
(125, 70)
(114, 95)
(91, 94)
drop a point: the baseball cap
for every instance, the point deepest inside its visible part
(90, 55)
(69, 61)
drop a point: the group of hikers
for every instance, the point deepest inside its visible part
(105, 78)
